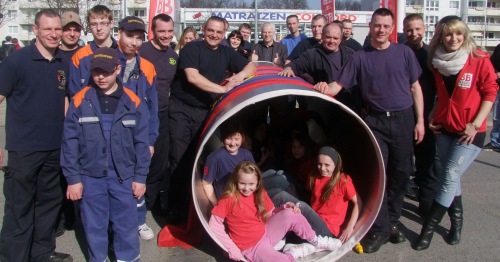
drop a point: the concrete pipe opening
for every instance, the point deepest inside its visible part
(342, 129)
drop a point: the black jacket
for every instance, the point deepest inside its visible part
(316, 64)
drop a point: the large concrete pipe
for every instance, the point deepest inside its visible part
(343, 130)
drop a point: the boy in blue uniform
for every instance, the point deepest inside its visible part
(105, 158)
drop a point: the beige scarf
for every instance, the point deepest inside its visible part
(449, 63)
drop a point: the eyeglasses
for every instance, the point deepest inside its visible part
(101, 24)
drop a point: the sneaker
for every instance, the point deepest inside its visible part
(490, 147)
(280, 245)
(298, 251)
(146, 232)
(326, 243)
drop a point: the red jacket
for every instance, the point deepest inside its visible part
(476, 83)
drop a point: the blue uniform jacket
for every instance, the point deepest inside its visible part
(84, 147)
(142, 81)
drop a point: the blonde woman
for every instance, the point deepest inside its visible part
(466, 90)
(189, 34)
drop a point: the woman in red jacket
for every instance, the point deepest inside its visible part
(466, 90)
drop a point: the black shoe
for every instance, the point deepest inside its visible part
(373, 242)
(396, 236)
(60, 229)
(59, 257)
(490, 147)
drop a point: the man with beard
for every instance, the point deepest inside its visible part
(391, 90)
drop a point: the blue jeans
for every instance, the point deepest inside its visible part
(495, 132)
(452, 162)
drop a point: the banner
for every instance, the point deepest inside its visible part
(328, 9)
(159, 7)
(393, 6)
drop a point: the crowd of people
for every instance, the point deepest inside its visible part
(113, 126)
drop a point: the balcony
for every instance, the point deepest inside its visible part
(493, 11)
(412, 9)
(32, 5)
(476, 11)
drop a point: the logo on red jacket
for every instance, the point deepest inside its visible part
(465, 81)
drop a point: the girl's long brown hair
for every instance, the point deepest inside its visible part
(336, 177)
(247, 167)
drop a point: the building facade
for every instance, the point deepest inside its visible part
(482, 17)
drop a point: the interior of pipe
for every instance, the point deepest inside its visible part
(341, 129)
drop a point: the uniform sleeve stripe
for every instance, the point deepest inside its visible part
(132, 96)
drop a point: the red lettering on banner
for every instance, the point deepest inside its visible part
(345, 16)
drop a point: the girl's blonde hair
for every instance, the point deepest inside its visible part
(326, 192)
(231, 190)
(182, 42)
(452, 24)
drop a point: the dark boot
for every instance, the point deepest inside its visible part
(435, 215)
(455, 212)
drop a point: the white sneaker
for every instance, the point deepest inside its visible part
(300, 250)
(280, 245)
(327, 243)
(146, 232)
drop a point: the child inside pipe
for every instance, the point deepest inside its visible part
(221, 162)
(255, 226)
(332, 190)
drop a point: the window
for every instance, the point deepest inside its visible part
(13, 29)
(428, 36)
(454, 4)
(432, 5)
(140, 12)
(475, 19)
(431, 20)
(12, 13)
(476, 4)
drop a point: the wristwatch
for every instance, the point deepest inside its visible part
(475, 126)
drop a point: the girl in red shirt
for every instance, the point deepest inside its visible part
(255, 226)
(332, 190)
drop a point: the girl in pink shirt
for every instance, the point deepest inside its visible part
(332, 190)
(255, 226)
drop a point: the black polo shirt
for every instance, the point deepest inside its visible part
(35, 89)
(109, 103)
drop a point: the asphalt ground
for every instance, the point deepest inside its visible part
(480, 235)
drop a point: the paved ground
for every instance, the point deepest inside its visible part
(480, 241)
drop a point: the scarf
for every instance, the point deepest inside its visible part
(449, 63)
